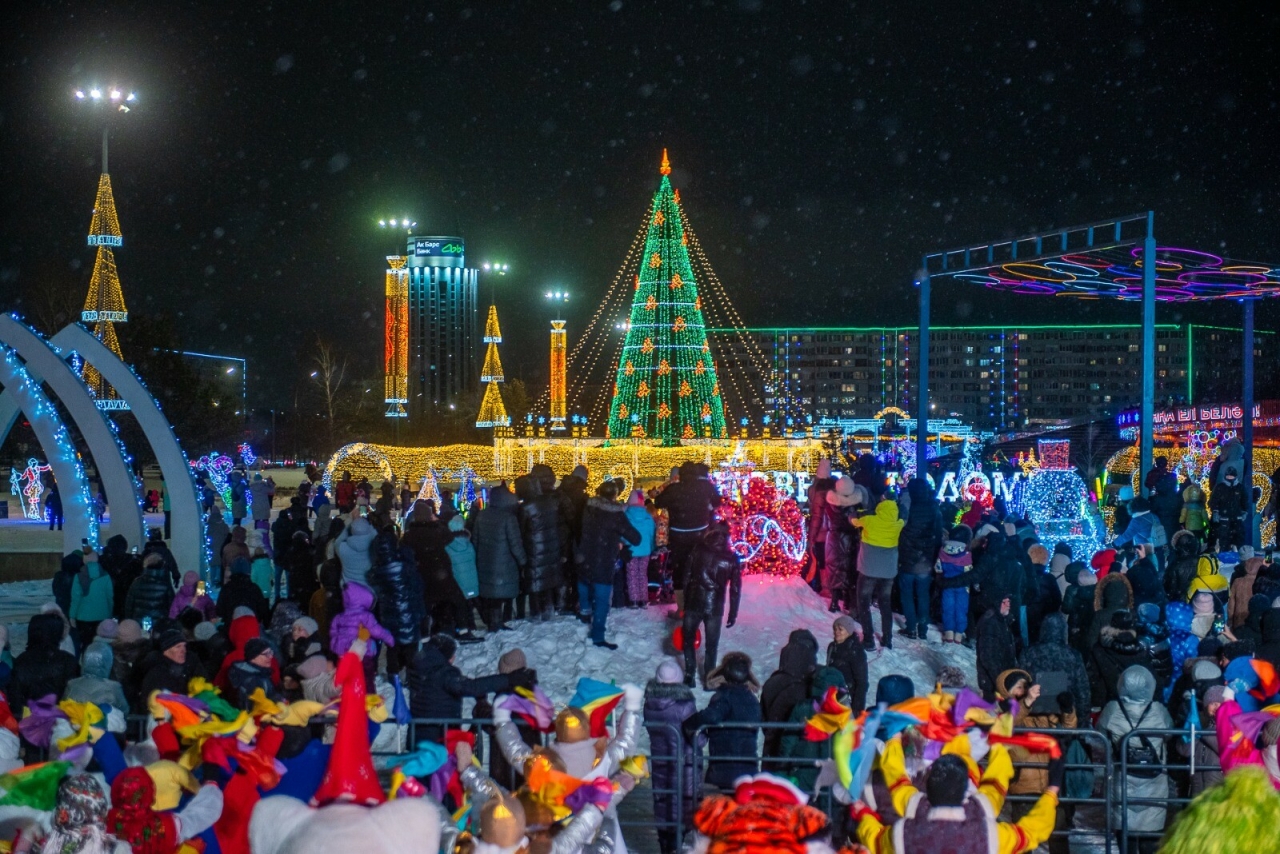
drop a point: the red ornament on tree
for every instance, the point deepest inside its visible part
(766, 528)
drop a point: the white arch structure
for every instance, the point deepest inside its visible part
(44, 364)
(188, 542)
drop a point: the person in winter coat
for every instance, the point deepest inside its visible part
(1144, 577)
(1000, 573)
(401, 608)
(918, 547)
(796, 746)
(499, 556)
(690, 503)
(1141, 527)
(542, 535)
(95, 684)
(300, 570)
(437, 687)
(668, 703)
(1213, 574)
(151, 594)
(734, 702)
(1058, 566)
(869, 476)
(819, 524)
(428, 538)
(1184, 555)
(357, 614)
(261, 491)
(43, 668)
(846, 654)
(513, 664)
(1041, 590)
(241, 592)
(638, 566)
(156, 545)
(788, 685)
(955, 574)
(1136, 707)
(242, 630)
(877, 567)
(1269, 649)
(571, 496)
(844, 501)
(1113, 593)
(996, 652)
(191, 595)
(113, 559)
(64, 579)
(1242, 591)
(92, 597)
(713, 578)
(1228, 503)
(169, 667)
(1194, 517)
(217, 535)
(353, 548)
(253, 673)
(238, 547)
(604, 527)
(462, 562)
(1118, 648)
(1208, 760)
(1052, 661)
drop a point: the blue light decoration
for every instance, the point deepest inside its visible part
(247, 454)
(1057, 504)
(218, 469)
(29, 485)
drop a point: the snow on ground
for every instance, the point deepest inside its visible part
(19, 601)
(771, 608)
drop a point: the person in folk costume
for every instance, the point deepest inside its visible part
(585, 754)
(766, 814)
(526, 821)
(79, 820)
(133, 818)
(947, 817)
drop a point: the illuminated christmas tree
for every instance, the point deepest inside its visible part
(766, 528)
(492, 412)
(666, 385)
(104, 306)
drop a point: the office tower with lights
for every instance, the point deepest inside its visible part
(444, 316)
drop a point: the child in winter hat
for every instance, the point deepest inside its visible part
(954, 564)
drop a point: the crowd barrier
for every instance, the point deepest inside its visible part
(1100, 820)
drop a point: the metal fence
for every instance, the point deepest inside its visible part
(1120, 787)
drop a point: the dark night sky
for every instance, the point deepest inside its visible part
(820, 148)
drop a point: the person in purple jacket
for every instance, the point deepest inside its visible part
(668, 702)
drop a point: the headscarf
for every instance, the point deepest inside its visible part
(78, 819)
(132, 819)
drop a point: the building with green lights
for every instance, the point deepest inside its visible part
(995, 377)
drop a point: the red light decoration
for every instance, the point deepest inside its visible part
(766, 527)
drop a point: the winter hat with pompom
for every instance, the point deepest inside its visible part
(670, 672)
(511, 661)
(108, 630)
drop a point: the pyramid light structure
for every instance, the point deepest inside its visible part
(492, 412)
(104, 306)
(666, 386)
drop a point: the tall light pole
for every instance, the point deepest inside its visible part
(559, 366)
(396, 355)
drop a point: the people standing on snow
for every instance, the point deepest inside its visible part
(842, 503)
(689, 503)
(713, 579)
(604, 528)
(500, 555)
(877, 567)
(543, 534)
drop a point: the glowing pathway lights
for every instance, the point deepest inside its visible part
(29, 485)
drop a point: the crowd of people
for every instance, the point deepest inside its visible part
(241, 676)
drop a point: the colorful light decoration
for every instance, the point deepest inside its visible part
(218, 468)
(396, 352)
(104, 305)
(492, 412)
(247, 456)
(559, 374)
(29, 485)
(767, 530)
(666, 331)
(1057, 503)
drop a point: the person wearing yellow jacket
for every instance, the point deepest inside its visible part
(946, 818)
(1213, 574)
(877, 567)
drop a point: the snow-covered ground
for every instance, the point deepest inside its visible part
(771, 608)
(19, 600)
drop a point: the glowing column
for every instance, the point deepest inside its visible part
(559, 374)
(397, 343)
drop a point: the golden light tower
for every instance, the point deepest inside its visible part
(559, 363)
(492, 412)
(396, 358)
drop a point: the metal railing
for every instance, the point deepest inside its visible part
(1169, 771)
(1101, 793)
(770, 764)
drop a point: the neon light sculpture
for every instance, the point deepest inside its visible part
(29, 485)
(218, 468)
(666, 385)
(1057, 503)
(559, 374)
(104, 305)
(767, 530)
(492, 412)
(396, 361)
(246, 454)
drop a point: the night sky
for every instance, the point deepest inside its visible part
(820, 148)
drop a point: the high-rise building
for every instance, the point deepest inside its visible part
(444, 338)
(995, 377)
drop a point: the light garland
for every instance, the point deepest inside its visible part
(767, 531)
(492, 412)
(396, 349)
(104, 304)
(29, 485)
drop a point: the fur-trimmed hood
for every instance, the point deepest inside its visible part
(1102, 599)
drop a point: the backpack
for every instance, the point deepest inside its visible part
(1141, 754)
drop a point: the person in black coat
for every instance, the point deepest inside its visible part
(1144, 578)
(301, 570)
(918, 547)
(241, 591)
(426, 538)
(65, 577)
(571, 496)
(43, 668)
(171, 667)
(996, 652)
(689, 503)
(436, 686)
(1118, 648)
(604, 527)
(156, 545)
(713, 568)
(734, 702)
(1052, 654)
(401, 607)
(788, 685)
(541, 530)
(151, 594)
(847, 655)
(114, 559)
(1000, 572)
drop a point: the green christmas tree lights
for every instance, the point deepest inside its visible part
(666, 385)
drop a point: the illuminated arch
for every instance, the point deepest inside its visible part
(44, 364)
(378, 460)
(188, 542)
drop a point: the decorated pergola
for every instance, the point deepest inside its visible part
(1115, 259)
